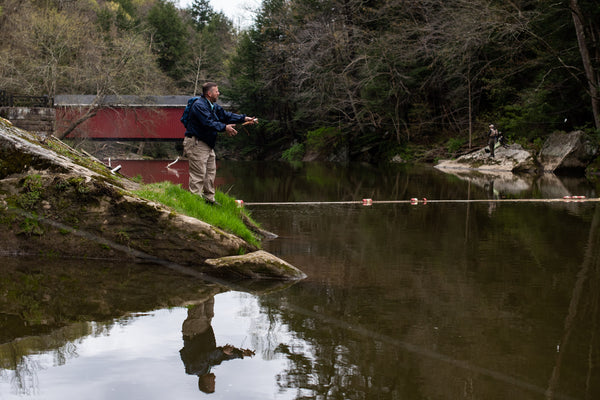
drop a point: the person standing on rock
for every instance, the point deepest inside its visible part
(492, 136)
(206, 120)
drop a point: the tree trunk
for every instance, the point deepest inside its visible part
(470, 95)
(590, 72)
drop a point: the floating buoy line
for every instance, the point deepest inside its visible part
(417, 201)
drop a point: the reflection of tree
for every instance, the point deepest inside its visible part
(404, 307)
(587, 282)
(42, 307)
(20, 361)
(200, 351)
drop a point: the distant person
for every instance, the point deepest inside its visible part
(492, 136)
(207, 119)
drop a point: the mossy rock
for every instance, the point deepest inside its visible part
(255, 265)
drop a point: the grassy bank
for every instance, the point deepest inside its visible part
(227, 216)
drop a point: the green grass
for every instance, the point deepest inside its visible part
(227, 216)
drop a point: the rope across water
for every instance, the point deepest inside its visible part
(369, 202)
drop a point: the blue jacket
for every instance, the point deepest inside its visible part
(206, 121)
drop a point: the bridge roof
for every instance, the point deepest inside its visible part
(71, 100)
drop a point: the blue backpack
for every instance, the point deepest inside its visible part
(186, 113)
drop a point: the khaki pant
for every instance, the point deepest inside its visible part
(202, 167)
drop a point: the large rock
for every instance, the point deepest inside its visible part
(511, 158)
(567, 151)
(55, 200)
(259, 264)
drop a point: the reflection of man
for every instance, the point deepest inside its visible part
(492, 195)
(200, 351)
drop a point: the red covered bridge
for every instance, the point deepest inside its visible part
(122, 117)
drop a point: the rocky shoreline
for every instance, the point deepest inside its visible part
(561, 152)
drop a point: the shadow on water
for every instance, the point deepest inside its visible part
(427, 301)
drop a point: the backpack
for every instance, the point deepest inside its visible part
(186, 113)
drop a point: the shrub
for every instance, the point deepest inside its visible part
(323, 137)
(294, 153)
(454, 144)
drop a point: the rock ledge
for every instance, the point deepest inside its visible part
(56, 200)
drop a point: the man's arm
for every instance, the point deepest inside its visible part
(205, 116)
(232, 118)
(228, 117)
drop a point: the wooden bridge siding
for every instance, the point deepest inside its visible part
(124, 123)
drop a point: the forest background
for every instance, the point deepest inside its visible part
(340, 80)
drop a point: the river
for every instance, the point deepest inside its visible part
(440, 299)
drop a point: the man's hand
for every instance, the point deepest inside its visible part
(250, 121)
(230, 130)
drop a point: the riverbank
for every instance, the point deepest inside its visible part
(56, 200)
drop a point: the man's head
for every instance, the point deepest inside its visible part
(210, 90)
(206, 383)
(491, 126)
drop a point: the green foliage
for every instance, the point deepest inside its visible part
(382, 72)
(123, 237)
(323, 137)
(454, 144)
(294, 153)
(531, 117)
(538, 143)
(31, 226)
(201, 12)
(31, 192)
(169, 36)
(228, 216)
(119, 14)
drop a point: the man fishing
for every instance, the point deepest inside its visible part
(492, 136)
(206, 120)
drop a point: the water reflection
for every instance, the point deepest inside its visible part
(437, 312)
(505, 184)
(431, 301)
(200, 351)
(49, 305)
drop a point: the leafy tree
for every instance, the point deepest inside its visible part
(168, 37)
(382, 74)
(260, 72)
(201, 12)
(211, 40)
(385, 71)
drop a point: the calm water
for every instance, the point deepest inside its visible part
(444, 300)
